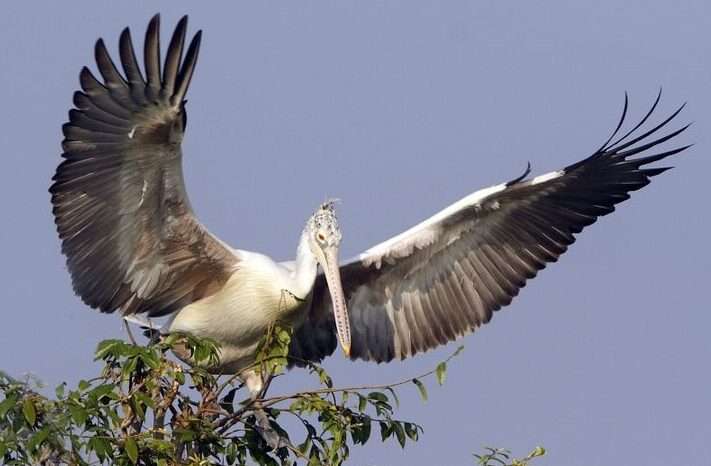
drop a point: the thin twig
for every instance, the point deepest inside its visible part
(226, 422)
(271, 401)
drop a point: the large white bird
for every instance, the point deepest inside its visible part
(133, 243)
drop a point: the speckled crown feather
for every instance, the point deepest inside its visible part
(325, 219)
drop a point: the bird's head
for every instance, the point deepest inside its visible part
(323, 228)
(324, 237)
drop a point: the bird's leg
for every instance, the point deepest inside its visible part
(256, 386)
(254, 382)
(128, 331)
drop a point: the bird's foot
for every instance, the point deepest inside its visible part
(271, 437)
(255, 385)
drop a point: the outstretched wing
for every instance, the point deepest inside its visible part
(446, 276)
(127, 229)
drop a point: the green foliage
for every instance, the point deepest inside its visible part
(273, 350)
(502, 457)
(145, 408)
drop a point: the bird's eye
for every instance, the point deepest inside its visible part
(320, 237)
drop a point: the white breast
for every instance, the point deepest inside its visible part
(238, 316)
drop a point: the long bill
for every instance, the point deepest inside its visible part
(340, 313)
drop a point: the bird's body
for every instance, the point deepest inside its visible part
(133, 243)
(257, 295)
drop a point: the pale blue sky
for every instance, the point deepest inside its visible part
(399, 108)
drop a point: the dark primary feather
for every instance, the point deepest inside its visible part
(127, 229)
(447, 278)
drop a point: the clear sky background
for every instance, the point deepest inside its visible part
(400, 108)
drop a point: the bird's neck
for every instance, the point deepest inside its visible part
(306, 267)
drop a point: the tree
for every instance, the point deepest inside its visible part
(146, 408)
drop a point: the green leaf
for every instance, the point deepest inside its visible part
(324, 378)
(101, 447)
(131, 449)
(411, 431)
(29, 411)
(305, 447)
(231, 453)
(459, 350)
(386, 430)
(150, 359)
(399, 433)
(441, 372)
(79, 414)
(145, 399)
(102, 390)
(283, 337)
(362, 403)
(315, 457)
(37, 439)
(106, 348)
(7, 404)
(360, 430)
(59, 391)
(392, 392)
(337, 436)
(378, 396)
(138, 409)
(365, 435)
(421, 387)
(185, 435)
(538, 451)
(128, 368)
(171, 339)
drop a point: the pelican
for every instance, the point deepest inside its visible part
(134, 245)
